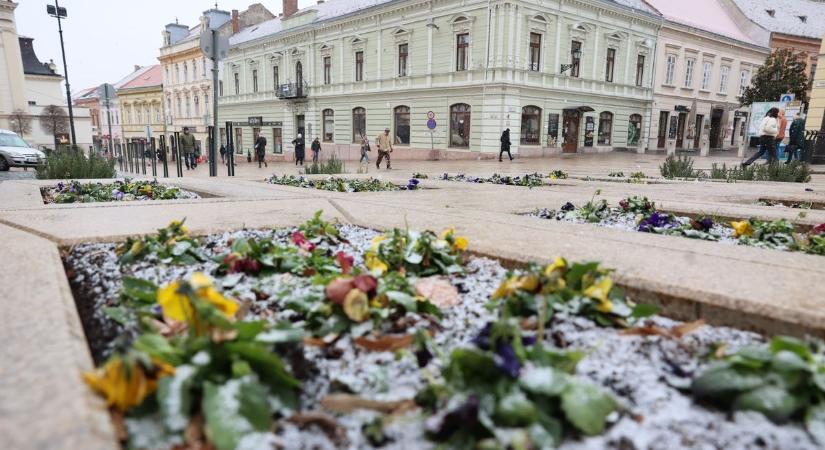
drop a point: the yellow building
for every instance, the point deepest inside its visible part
(141, 104)
(816, 107)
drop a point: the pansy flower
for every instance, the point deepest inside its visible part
(125, 382)
(600, 291)
(819, 229)
(742, 228)
(178, 299)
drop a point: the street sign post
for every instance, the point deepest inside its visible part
(431, 124)
(215, 47)
(787, 97)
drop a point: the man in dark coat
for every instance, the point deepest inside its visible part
(316, 150)
(796, 137)
(260, 150)
(505, 145)
(298, 142)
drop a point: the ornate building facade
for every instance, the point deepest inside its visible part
(141, 104)
(446, 76)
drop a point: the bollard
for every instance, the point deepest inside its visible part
(230, 149)
(142, 148)
(176, 154)
(154, 155)
(164, 156)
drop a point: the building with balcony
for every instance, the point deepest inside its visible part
(141, 105)
(562, 76)
(187, 72)
(703, 63)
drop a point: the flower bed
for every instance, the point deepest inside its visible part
(530, 180)
(338, 184)
(639, 214)
(126, 190)
(242, 339)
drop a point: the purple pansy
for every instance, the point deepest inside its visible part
(655, 220)
(568, 207)
(412, 184)
(505, 357)
(702, 224)
(117, 194)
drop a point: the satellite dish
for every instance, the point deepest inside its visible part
(217, 52)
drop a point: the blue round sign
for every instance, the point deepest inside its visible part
(431, 124)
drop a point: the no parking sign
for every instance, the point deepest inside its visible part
(431, 120)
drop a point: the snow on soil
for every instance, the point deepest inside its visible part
(639, 370)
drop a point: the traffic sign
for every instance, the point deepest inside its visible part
(431, 124)
(430, 115)
(787, 97)
(219, 49)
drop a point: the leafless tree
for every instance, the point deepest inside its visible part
(54, 121)
(21, 122)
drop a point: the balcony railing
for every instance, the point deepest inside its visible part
(292, 90)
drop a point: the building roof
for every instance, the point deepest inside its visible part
(31, 64)
(705, 15)
(794, 17)
(137, 73)
(333, 9)
(151, 76)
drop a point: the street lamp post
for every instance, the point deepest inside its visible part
(59, 13)
(577, 56)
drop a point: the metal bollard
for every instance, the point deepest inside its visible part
(176, 149)
(164, 155)
(154, 155)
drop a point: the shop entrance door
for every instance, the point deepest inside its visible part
(570, 130)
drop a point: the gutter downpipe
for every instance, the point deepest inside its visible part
(653, 83)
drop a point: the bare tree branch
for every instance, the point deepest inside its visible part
(53, 120)
(21, 122)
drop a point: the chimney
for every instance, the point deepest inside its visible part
(236, 24)
(137, 67)
(290, 7)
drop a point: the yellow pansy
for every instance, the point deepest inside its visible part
(175, 299)
(179, 225)
(356, 305)
(447, 232)
(376, 242)
(461, 243)
(742, 228)
(506, 288)
(124, 386)
(176, 305)
(600, 291)
(558, 265)
(374, 263)
(528, 283)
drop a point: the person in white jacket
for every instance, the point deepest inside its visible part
(768, 129)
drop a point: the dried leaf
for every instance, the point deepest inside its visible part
(194, 432)
(385, 343)
(646, 330)
(720, 351)
(219, 335)
(119, 425)
(439, 290)
(313, 341)
(347, 403)
(687, 328)
(334, 431)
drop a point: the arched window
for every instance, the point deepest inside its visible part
(530, 124)
(197, 106)
(359, 124)
(634, 129)
(402, 125)
(460, 125)
(329, 125)
(188, 107)
(299, 73)
(605, 128)
(185, 72)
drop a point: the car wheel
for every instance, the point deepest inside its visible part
(4, 165)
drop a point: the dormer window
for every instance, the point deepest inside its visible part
(771, 12)
(803, 19)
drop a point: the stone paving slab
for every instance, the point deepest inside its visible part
(43, 402)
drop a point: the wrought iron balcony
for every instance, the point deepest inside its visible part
(292, 90)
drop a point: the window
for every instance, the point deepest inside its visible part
(277, 140)
(185, 72)
(610, 65)
(220, 88)
(670, 67)
(328, 125)
(402, 125)
(197, 106)
(327, 69)
(254, 80)
(530, 124)
(552, 129)
(575, 58)
(535, 52)
(744, 80)
(605, 127)
(237, 84)
(640, 70)
(359, 124)
(689, 64)
(275, 79)
(462, 53)
(206, 103)
(813, 74)
(203, 65)
(177, 72)
(723, 79)
(188, 107)
(634, 129)
(460, 125)
(707, 69)
(403, 58)
(359, 66)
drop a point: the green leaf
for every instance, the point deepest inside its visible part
(643, 310)
(791, 344)
(233, 410)
(543, 380)
(515, 410)
(773, 401)
(815, 422)
(138, 289)
(119, 314)
(472, 368)
(241, 246)
(181, 248)
(565, 361)
(403, 299)
(819, 381)
(587, 407)
(278, 336)
(722, 379)
(785, 360)
(158, 347)
(175, 397)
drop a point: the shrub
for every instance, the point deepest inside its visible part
(330, 166)
(795, 172)
(679, 167)
(75, 164)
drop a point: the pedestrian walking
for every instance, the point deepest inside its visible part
(187, 146)
(316, 149)
(505, 145)
(384, 145)
(796, 137)
(768, 129)
(782, 124)
(260, 150)
(298, 142)
(223, 154)
(365, 149)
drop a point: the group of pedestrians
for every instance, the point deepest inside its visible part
(772, 133)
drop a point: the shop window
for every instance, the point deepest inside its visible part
(328, 125)
(460, 125)
(634, 129)
(605, 128)
(530, 125)
(359, 124)
(402, 125)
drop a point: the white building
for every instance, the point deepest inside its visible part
(563, 76)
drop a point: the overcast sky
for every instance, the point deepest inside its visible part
(106, 38)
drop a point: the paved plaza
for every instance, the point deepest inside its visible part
(762, 290)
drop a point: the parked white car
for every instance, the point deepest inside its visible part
(15, 152)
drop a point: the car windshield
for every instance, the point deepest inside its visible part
(12, 140)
